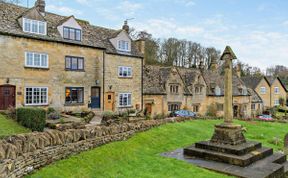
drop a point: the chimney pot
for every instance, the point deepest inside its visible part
(126, 26)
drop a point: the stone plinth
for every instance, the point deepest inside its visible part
(228, 134)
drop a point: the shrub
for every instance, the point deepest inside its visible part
(159, 116)
(109, 115)
(212, 110)
(11, 112)
(50, 110)
(33, 118)
(53, 115)
(131, 111)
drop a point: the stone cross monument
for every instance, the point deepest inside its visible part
(227, 132)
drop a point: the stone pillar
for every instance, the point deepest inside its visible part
(228, 133)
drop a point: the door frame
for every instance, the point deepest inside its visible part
(99, 96)
(14, 88)
(106, 100)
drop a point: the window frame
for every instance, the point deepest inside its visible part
(33, 103)
(33, 60)
(276, 90)
(174, 107)
(125, 44)
(253, 106)
(75, 103)
(263, 90)
(276, 103)
(71, 68)
(174, 89)
(128, 105)
(127, 70)
(75, 33)
(31, 21)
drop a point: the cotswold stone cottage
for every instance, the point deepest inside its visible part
(57, 61)
(171, 88)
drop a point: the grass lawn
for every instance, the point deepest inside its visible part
(10, 127)
(139, 157)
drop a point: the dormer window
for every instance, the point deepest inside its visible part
(34, 26)
(72, 34)
(123, 45)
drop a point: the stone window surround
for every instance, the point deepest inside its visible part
(174, 89)
(38, 26)
(33, 60)
(33, 103)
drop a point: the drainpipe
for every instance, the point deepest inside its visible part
(142, 68)
(103, 98)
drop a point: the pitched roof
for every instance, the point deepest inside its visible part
(271, 80)
(214, 78)
(252, 82)
(255, 97)
(92, 36)
(155, 78)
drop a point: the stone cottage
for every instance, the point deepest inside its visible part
(67, 63)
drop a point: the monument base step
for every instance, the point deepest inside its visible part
(240, 149)
(273, 166)
(239, 160)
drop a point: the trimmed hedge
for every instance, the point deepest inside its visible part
(33, 118)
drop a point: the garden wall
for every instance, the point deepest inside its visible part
(23, 153)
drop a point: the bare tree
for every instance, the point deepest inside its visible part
(11, 1)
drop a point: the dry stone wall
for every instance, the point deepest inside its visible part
(23, 153)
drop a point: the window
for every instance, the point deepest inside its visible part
(125, 99)
(34, 26)
(37, 60)
(36, 96)
(217, 91)
(276, 90)
(276, 102)
(196, 108)
(173, 106)
(174, 89)
(263, 90)
(72, 34)
(74, 63)
(253, 106)
(124, 71)
(123, 45)
(220, 107)
(74, 95)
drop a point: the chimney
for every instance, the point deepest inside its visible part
(126, 26)
(40, 6)
(140, 44)
(214, 64)
(238, 70)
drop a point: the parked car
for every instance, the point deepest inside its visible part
(265, 117)
(183, 113)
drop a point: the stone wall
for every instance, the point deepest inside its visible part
(23, 153)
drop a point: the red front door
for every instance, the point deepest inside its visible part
(7, 96)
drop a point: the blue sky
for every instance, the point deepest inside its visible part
(257, 30)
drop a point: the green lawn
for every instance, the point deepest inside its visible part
(139, 157)
(10, 127)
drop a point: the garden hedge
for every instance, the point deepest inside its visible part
(33, 118)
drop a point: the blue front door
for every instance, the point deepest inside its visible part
(95, 98)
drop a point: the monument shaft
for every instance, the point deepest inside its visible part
(228, 97)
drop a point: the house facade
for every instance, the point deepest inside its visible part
(269, 89)
(50, 60)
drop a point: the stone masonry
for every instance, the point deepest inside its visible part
(21, 154)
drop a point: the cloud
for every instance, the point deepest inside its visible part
(285, 23)
(63, 10)
(186, 2)
(129, 8)
(83, 2)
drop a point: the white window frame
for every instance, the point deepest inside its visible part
(123, 45)
(36, 104)
(263, 90)
(276, 90)
(276, 102)
(128, 105)
(33, 60)
(30, 21)
(125, 68)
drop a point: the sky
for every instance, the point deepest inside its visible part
(257, 30)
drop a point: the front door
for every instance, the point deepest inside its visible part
(148, 107)
(7, 97)
(95, 98)
(109, 101)
(235, 111)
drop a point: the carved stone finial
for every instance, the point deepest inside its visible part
(228, 54)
